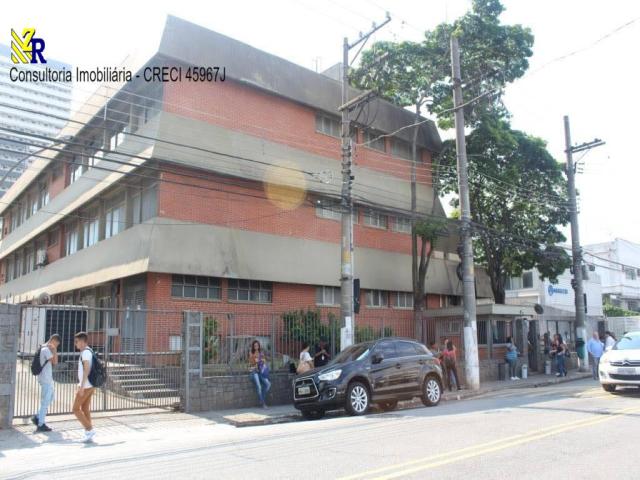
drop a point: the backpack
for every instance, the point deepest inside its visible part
(98, 373)
(36, 366)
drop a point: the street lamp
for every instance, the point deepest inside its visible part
(63, 139)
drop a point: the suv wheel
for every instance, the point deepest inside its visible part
(608, 387)
(312, 414)
(431, 391)
(388, 406)
(357, 399)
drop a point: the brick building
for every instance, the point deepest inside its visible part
(221, 196)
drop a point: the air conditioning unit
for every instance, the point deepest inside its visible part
(592, 267)
(41, 258)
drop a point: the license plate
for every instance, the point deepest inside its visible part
(304, 390)
(627, 370)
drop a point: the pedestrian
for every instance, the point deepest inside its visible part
(559, 350)
(322, 355)
(48, 356)
(609, 340)
(306, 362)
(450, 365)
(259, 372)
(596, 349)
(82, 402)
(511, 356)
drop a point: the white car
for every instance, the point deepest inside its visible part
(620, 365)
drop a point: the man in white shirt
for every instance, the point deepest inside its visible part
(48, 358)
(82, 402)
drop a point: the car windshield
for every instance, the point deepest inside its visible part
(355, 352)
(628, 342)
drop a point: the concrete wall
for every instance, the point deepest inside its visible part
(8, 351)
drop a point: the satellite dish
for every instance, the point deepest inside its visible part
(44, 299)
(538, 308)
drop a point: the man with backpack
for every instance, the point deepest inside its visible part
(82, 402)
(42, 366)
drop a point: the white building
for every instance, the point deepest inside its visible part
(618, 265)
(51, 100)
(557, 301)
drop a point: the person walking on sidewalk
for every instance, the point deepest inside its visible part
(596, 349)
(609, 340)
(82, 402)
(450, 365)
(259, 372)
(511, 356)
(48, 357)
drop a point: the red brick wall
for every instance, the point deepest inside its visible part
(246, 212)
(252, 111)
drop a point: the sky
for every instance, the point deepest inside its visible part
(595, 86)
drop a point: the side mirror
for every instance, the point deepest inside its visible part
(377, 358)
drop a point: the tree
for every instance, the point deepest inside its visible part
(518, 198)
(417, 75)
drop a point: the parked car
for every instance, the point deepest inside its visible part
(382, 372)
(620, 366)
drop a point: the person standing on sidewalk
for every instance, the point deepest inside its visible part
(559, 350)
(609, 340)
(596, 349)
(511, 356)
(48, 358)
(450, 365)
(82, 402)
(259, 372)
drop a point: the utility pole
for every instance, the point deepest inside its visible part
(472, 364)
(346, 243)
(576, 249)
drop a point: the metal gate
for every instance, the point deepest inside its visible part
(142, 350)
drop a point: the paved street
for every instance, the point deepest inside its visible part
(572, 430)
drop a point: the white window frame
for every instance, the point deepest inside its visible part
(403, 300)
(325, 124)
(328, 209)
(402, 224)
(376, 219)
(374, 141)
(377, 298)
(327, 296)
(71, 240)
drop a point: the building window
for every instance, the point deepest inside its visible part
(52, 237)
(527, 280)
(114, 219)
(630, 273)
(29, 261)
(328, 125)
(17, 265)
(402, 149)
(402, 224)
(190, 286)
(71, 240)
(482, 332)
(116, 140)
(403, 300)
(376, 298)
(77, 168)
(33, 205)
(250, 291)
(327, 296)
(452, 327)
(375, 219)
(90, 231)
(373, 139)
(9, 264)
(43, 199)
(501, 331)
(328, 209)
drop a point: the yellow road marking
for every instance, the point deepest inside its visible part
(414, 466)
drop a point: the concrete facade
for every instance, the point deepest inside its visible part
(9, 324)
(618, 264)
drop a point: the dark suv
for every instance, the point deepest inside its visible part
(381, 372)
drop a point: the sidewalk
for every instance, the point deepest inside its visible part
(143, 419)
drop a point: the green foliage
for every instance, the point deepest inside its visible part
(210, 339)
(614, 311)
(432, 229)
(366, 333)
(307, 326)
(419, 73)
(517, 191)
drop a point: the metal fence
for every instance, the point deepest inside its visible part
(142, 350)
(227, 337)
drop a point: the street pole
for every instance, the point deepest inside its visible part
(472, 364)
(346, 244)
(576, 250)
(346, 203)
